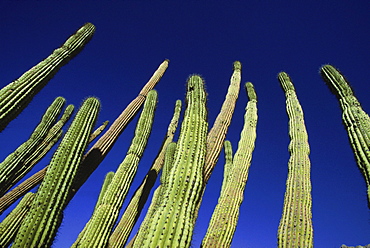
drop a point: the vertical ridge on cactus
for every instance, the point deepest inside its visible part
(295, 228)
(124, 227)
(355, 120)
(224, 220)
(172, 224)
(40, 224)
(104, 217)
(17, 95)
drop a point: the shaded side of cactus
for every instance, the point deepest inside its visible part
(104, 144)
(10, 225)
(105, 216)
(13, 166)
(355, 120)
(130, 216)
(172, 224)
(224, 220)
(40, 225)
(17, 95)
(295, 228)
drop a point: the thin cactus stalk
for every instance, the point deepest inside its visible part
(10, 225)
(104, 144)
(172, 224)
(295, 228)
(98, 131)
(355, 120)
(17, 95)
(129, 218)
(41, 223)
(9, 198)
(13, 166)
(105, 216)
(225, 216)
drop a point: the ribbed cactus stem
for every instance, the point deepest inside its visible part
(225, 216)
(17, 95)
(10, 225)
(44, 217)
(172, 224)
(107, 180)
(129, 218)
(104, 144)
(295, 228)
(355, 120)
(13, 166)
(96, 233)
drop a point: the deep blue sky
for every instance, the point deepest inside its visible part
(206, 37)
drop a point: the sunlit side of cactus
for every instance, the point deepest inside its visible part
(40, 225)
(225, 217)
(172, 224)
(295, 228)
(355, 120)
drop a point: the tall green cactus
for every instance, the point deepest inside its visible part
(40, 225)
(124, 227)
(225, 216)
(17, 95)
(172, 224)
(104, 217)
(295, 228)
(355, 120)
(14, 165)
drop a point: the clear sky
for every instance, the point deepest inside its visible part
(133, 37)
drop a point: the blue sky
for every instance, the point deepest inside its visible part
(133, 37)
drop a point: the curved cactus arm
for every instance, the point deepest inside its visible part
(129, 218)
(10, 225)
(41, 223)
(172, 224)
(295, 228)
(13, 166)
(17, 95)
(104, 144)
(355, 120)
(225, 216)
(98, 131)
(96, 233)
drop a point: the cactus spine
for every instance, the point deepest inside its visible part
(355, 120)
(40, 225)
(17, 95)
(225, 216)
(172, 224)
(123, 229)
(102, 222)
(295, 228)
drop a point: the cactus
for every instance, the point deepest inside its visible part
(15, 165)
(123, 229)
(40, 225)
(295, 228)
(96, 233)
(17, 95)
(355, 120)
(172, 224)
(225, 216)
(102, 146)
(10, 225)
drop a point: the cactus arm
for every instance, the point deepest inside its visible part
(43, 219)
(225, 216)
(172, 223)
(96, 233)
(107, 180)
(98, 131)
(104, 144)
(18, 94)
(123, 229)
(295, 228)
(10, 225)
(13, 166)
(355, 120)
